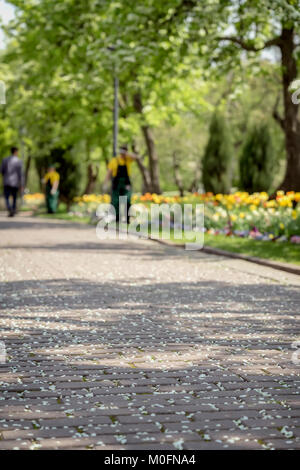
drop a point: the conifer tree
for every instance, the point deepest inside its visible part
(217, 159)
(258, 160)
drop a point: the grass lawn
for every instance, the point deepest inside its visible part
(61, 214)
(284, 252)
(71, 218)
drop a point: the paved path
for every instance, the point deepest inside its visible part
(131, 345)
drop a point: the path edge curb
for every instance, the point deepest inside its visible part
(292, 269)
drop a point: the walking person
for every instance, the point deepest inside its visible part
(12, 172)
(119, 171)
(51, 180)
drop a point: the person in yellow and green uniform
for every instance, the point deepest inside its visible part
(51, 180)
(119, 171)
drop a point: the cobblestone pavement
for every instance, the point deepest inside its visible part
(132, 345)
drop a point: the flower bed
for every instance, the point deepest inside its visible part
(33, 200)
(240, 214)
(254, 216)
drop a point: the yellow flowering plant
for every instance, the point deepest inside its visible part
(239, 213)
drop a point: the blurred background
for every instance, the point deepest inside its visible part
(205, 97)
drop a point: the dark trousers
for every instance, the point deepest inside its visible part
(11, 191)
(51, 201)
(120, 188)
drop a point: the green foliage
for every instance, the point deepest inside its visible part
(217, 157)
(59, 67)
(7, 138)
(258, 162)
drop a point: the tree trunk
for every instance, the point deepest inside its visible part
(144, 172)
(196, 181)
(148, 136)
(177, 175)
(290, 123)
(92, 173)
(41, 173)
(153, 159)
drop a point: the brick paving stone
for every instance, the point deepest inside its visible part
(119, 344)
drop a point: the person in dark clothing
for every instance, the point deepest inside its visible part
(119, 170)
(12, 172)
